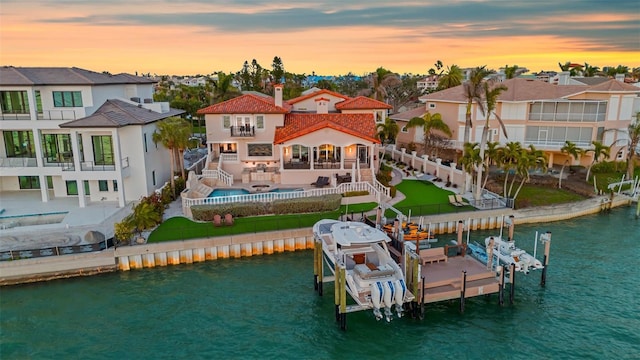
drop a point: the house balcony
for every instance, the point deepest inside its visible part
(64, 115)
(18, 162)
(555, 144)
(243, 131)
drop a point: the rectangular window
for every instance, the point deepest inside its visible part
(103, 185)
(19, 144)
(49, 182)
(57, 148)
(29, 182)
(260, 149)
(14, 102)
(38, 101)
(145, 142)
(226, 121)
(102, 150)
(115, 185)
(432, 106)
(153, 177)
(67, 99)
(260, 121)
(379, 116)
(72, 187)
(87, 189)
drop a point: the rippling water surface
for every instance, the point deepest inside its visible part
(265, 307)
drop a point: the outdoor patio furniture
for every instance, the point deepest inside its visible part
(228, 219)
(460, 200)
(453, 201)
(217, 220)
(321, 181)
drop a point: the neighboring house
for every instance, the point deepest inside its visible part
(546, 115)
(428, 84)
(69, 132)
(262, 138)
(406, 135)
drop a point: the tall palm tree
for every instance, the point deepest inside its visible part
(379, 80)
(531, 159)
(569, 148)
(631, 142)
(223, 88)
(473, 93)
(470, 159)
(599, 150)
(509, 155)
(429, 123)
(171, 132)
(451, 78)
(492, 155)
(491, 93)
(388, 131)
(183, 133)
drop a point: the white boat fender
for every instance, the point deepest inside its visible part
(377, 292)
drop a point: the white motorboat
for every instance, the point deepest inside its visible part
(373, 279)
(507, 254)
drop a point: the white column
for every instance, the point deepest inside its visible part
(38, 148)
(118, 166)
(281, 150)
(424, 163)
(452, 167)
(413, 158)
(438, 163)
(75, 149)
(403, 151)
(82, 201)
(44, 191)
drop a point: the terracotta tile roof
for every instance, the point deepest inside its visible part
(118, 113)
(246, 104)
(317, 93)
(29, 76)
(362, 103)
(409, 114)
(296, 125)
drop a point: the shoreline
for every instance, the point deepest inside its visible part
(196, 250)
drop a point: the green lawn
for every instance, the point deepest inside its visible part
(424, 198)
(531, 195)
(180, 228)
(604, 179)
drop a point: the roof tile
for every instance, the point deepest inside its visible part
(246, 104)
(362, 103)
(296, 125)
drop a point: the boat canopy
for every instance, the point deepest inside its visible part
(350, 233)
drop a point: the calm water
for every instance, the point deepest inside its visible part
(228, 192)
(265, 307)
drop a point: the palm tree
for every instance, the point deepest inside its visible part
(172, 134)
(574, 152)
(144, 217)
(573, 69)
(429, 123)
(491, 94)
(531, 159)
(473, 93)
(631, 142)
(388, 131)
(183, 133)
(590, 71)
(599, 150)
(453, 77)
(509, 155)
(223, 89)
(511, 71)
(380, 79)
(491, 153)
(470, 159)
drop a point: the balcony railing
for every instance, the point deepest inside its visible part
(18, 162)
(243, 131)
(59, 115)
(15, 116)
(553, 144)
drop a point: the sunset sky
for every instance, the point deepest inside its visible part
(321, 36)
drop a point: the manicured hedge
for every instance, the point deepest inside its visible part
(278, 207)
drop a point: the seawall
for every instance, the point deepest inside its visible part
(208, 249)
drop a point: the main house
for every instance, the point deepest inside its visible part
(538, 113)
(257, 137)
(69, 132)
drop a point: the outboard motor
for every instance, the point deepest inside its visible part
(389, 299)
(377, 293)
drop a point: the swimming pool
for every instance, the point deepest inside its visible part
(279, 190)
(228, 192)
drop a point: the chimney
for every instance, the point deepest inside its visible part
(620, 77)
(277, 89)
(563, 78)
(322, 106)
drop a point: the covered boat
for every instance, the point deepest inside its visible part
(373, 279)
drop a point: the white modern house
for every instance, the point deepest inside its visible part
(70, 132)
